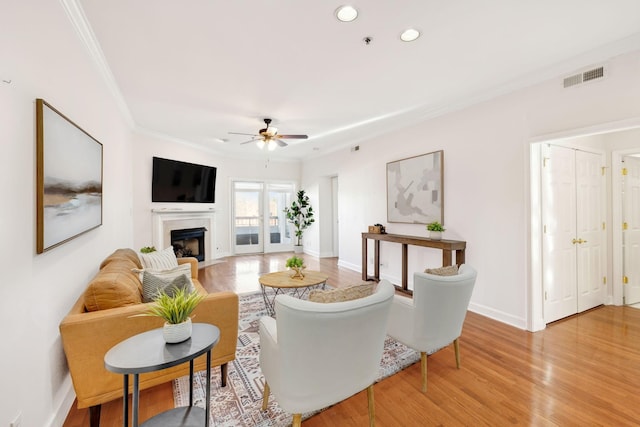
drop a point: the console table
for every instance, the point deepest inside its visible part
(148, 352)
(446, 246)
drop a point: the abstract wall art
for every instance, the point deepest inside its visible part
(415, 189)
(69, 179)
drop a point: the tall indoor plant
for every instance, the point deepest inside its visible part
(300, 214)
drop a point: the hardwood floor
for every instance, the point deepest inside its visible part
(584, 370)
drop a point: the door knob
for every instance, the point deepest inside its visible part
(574, 241)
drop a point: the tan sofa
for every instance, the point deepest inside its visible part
(115, 295)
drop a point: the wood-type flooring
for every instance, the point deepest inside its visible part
(580, 371)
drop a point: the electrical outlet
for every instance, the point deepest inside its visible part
(17, 421)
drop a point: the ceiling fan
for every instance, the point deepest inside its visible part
(269, 137)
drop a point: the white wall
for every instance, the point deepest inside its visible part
(624, 140)
(486, 179)
(43, 58)
(146, 146)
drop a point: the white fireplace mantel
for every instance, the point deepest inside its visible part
(165, 220)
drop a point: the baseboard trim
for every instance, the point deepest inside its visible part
(498, 315)
(350, 266)
(59, 416)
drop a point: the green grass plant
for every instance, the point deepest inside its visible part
(177, 308)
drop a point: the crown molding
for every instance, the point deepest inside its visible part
(85, 33)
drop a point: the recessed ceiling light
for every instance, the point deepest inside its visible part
(346, 13)
(409, 35)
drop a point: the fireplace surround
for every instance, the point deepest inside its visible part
(167, 220)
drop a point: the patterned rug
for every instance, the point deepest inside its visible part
(239, 403)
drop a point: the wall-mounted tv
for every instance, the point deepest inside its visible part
(181, 182)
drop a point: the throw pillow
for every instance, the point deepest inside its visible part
(449, 270)
(152, 285)
(342, 294)
(181, 270)
(159, 260)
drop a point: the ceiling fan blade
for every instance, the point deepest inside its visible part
(238, 133)
(251, 140)
(281, 143)
(292, 136)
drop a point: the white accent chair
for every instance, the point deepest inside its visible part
(433, 318)
(314, 355)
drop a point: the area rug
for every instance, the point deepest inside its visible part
(239, 403)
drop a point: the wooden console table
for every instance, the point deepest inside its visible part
(446, 246)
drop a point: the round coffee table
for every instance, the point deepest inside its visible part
(281, 282)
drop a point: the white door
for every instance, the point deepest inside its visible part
(572, 248)
(590, 230)
(334, 213)
(276, 229)
(247, 217)
(631, 229)
(559, 229)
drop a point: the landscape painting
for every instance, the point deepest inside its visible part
(69, 179)
(415, 189)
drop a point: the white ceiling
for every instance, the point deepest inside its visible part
(195, 70)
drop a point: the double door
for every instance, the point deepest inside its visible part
(259, 223)
(573, 227)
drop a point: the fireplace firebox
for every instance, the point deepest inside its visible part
(189, 242)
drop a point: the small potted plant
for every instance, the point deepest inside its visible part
(175, 307)
(147, 249)
(297, 265)
(435, 230)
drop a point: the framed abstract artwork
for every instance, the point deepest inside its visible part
(415, 189)
(69, 179)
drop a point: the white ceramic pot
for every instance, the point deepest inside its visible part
(175, 333)
(435, 235)
(297, 249)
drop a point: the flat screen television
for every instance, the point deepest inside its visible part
(181, 182)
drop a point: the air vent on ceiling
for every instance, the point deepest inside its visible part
(593, 74)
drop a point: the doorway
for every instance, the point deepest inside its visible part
(253, 201)
(617, 140)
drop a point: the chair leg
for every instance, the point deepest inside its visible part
(456, 346)
(423, 367)
(297, 420)
(224, 368)
(372, 407)
(94, 415)
(265, 397)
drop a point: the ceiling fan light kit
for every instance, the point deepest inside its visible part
(269, 136)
